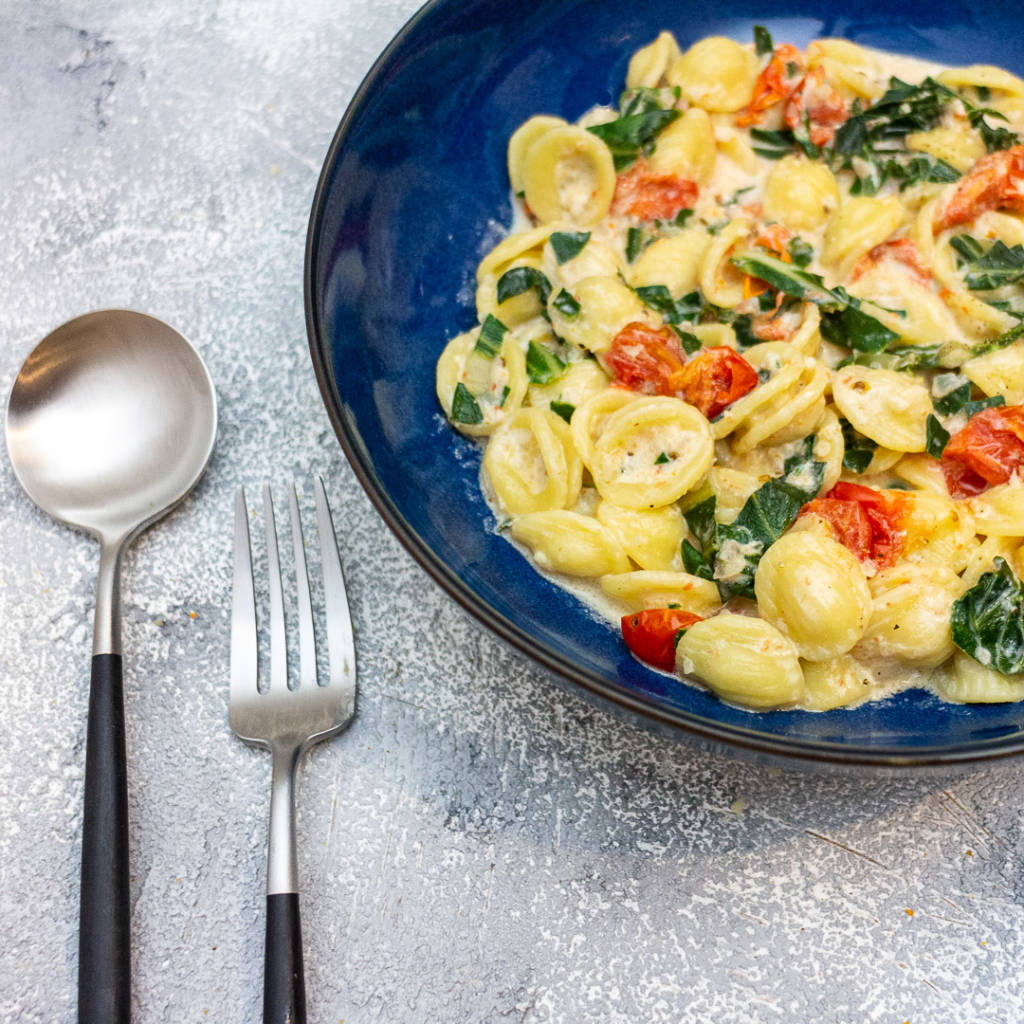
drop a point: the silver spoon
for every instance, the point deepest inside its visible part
(110, 423)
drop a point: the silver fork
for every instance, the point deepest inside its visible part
(288, 722)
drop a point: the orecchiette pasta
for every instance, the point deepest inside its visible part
(745, 661)
(814, 591)
(568, 542)
(531, 463)
(568, 174)
(651, 452)
(751, 366)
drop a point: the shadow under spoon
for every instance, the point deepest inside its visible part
(110, 423)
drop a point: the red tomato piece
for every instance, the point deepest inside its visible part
(646, 360)
(869, 523)
(651, 634)
(774, 83)
(647, 196)
(899, 250)
(996, 182)
(986, 452)
(715, 378)
(823, 107)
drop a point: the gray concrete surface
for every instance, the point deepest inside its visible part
(480, 846)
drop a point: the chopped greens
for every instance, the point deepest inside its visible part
(843, 322)
(521, 279)
(855, 329)
(492, 333)
(566, 304)
(763, 44)
(987, 622)
(658, 298)
(936, 437)
(465, 408)
(765, 517)
(987, 269)
(563, 409)
(633, 135)
(690, 342)
(636, 241)
(953, 395)
(899, 357)
(800, 252)
(542, 365)
(566, 245)
(859, 450)
(662, 459)
(772, 145)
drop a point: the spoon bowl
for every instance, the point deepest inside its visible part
(110, 423)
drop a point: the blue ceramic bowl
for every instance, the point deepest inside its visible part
(414, 191)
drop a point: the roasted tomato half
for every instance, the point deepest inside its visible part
(870, 523)
(651, 634)
(647, 196)
(986, 452)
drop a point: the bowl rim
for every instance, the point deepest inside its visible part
(731, 738)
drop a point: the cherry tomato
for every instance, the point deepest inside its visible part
(774, 83)
(651, 634)
(646, 360)
(640, 193)
(899, 250)
(715, 377)
(995, 182)
(817, 102)
(869, 523)
(986, 452)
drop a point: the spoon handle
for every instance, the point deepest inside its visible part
(104, 942)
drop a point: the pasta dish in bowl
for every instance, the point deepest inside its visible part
(745, 379)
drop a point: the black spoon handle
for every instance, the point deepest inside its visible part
(284, 988)
(104, 940)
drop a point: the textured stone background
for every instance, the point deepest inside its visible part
(479, 846)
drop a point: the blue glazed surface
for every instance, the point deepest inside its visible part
(414, 191)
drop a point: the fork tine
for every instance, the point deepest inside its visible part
(278, 636)
(243, 608)
(307, 637)
(340, 642)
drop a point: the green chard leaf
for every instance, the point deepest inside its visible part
(566, 245)
(695, 563)
(952, 394)
(800, 252)
(690, 342)
(987, 269)
(630, 136)
(521, 279)
(859, 450)
(772, 145)
(636, 241)
(765, 517)
(542, 365)
(563, 409)
(854, 329)
(987, 622)
(700, 518)
(899, 357)
(566, 304)
(492, 333)
(936, 437)
(662, 459)
(791, 279)
(658, 298)
(763, 41)
(644, 99)
(465, 408)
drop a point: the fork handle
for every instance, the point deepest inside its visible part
(284, 987)
(104, 941)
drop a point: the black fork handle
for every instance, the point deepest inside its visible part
(284, 987)
(104, 939)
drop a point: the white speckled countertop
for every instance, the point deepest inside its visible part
(480, 846)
